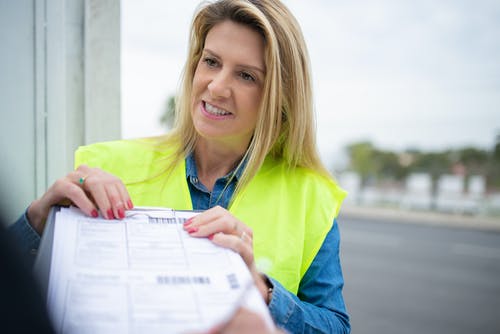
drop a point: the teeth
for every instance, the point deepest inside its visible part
(214, 110)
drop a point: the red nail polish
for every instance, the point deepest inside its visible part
(211, 237)
(188, 222)
(192, 230)
(130, 205)
(121, 213)
(109, 214)
(94, 213)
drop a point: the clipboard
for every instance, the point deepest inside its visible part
(41, 267)
(248, 297)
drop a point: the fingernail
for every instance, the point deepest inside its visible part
(94, 213)
(188, 222)
(109, 214)
(211, 237)
(192, 230)
(130, 205)
(121, 213)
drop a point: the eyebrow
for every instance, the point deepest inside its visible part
(256, 68)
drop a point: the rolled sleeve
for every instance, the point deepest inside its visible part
(25, 237)
(282, 303)
(319, 305)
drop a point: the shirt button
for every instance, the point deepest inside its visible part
(195, 180)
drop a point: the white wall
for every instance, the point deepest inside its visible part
(59, 88)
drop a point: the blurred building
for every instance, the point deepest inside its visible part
(60, 88)
(448, 194)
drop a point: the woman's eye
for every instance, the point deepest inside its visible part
(247, 77)
(210, 62)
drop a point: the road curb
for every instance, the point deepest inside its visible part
(420, 217)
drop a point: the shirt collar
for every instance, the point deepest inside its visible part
(192, 172)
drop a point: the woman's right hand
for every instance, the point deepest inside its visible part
(90, 189)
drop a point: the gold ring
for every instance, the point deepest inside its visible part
(82, 179)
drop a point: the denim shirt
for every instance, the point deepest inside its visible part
(318, 306)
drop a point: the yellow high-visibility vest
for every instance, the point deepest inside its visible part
(290, 210)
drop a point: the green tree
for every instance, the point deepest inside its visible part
(475, 160)
(362, 160)
(372, 163)
(433, 163)
(389, 165)
(493, 175)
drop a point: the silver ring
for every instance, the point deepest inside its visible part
(243, 236)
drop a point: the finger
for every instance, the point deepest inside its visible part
(121, 198)
(206, 228)
(216, 220)
(246, 238)
(242, 247)
(116, 201)
(208, 216)
(80, 174)
(65, 189)
(98, 192)
(227, 224)
(125, 196)
(108, 191)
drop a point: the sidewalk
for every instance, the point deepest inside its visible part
(421, 217)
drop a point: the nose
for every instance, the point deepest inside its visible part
(220, 86)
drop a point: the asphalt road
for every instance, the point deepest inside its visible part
(403, 278)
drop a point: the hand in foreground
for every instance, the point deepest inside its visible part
(90, 189)
(243, 322)
(225, 230)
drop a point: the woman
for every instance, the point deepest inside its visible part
(242, 149)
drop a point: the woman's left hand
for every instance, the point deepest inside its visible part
(225, 230)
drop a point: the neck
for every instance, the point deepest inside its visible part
(215, 161)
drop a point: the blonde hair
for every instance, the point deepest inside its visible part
(286, 126)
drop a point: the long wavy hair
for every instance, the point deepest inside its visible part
(286, 125)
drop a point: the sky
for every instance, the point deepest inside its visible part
(401, 73)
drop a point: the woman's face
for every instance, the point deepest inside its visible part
(228, 85)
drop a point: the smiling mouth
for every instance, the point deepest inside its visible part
(213, 110)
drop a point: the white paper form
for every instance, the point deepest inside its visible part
(142, 274)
